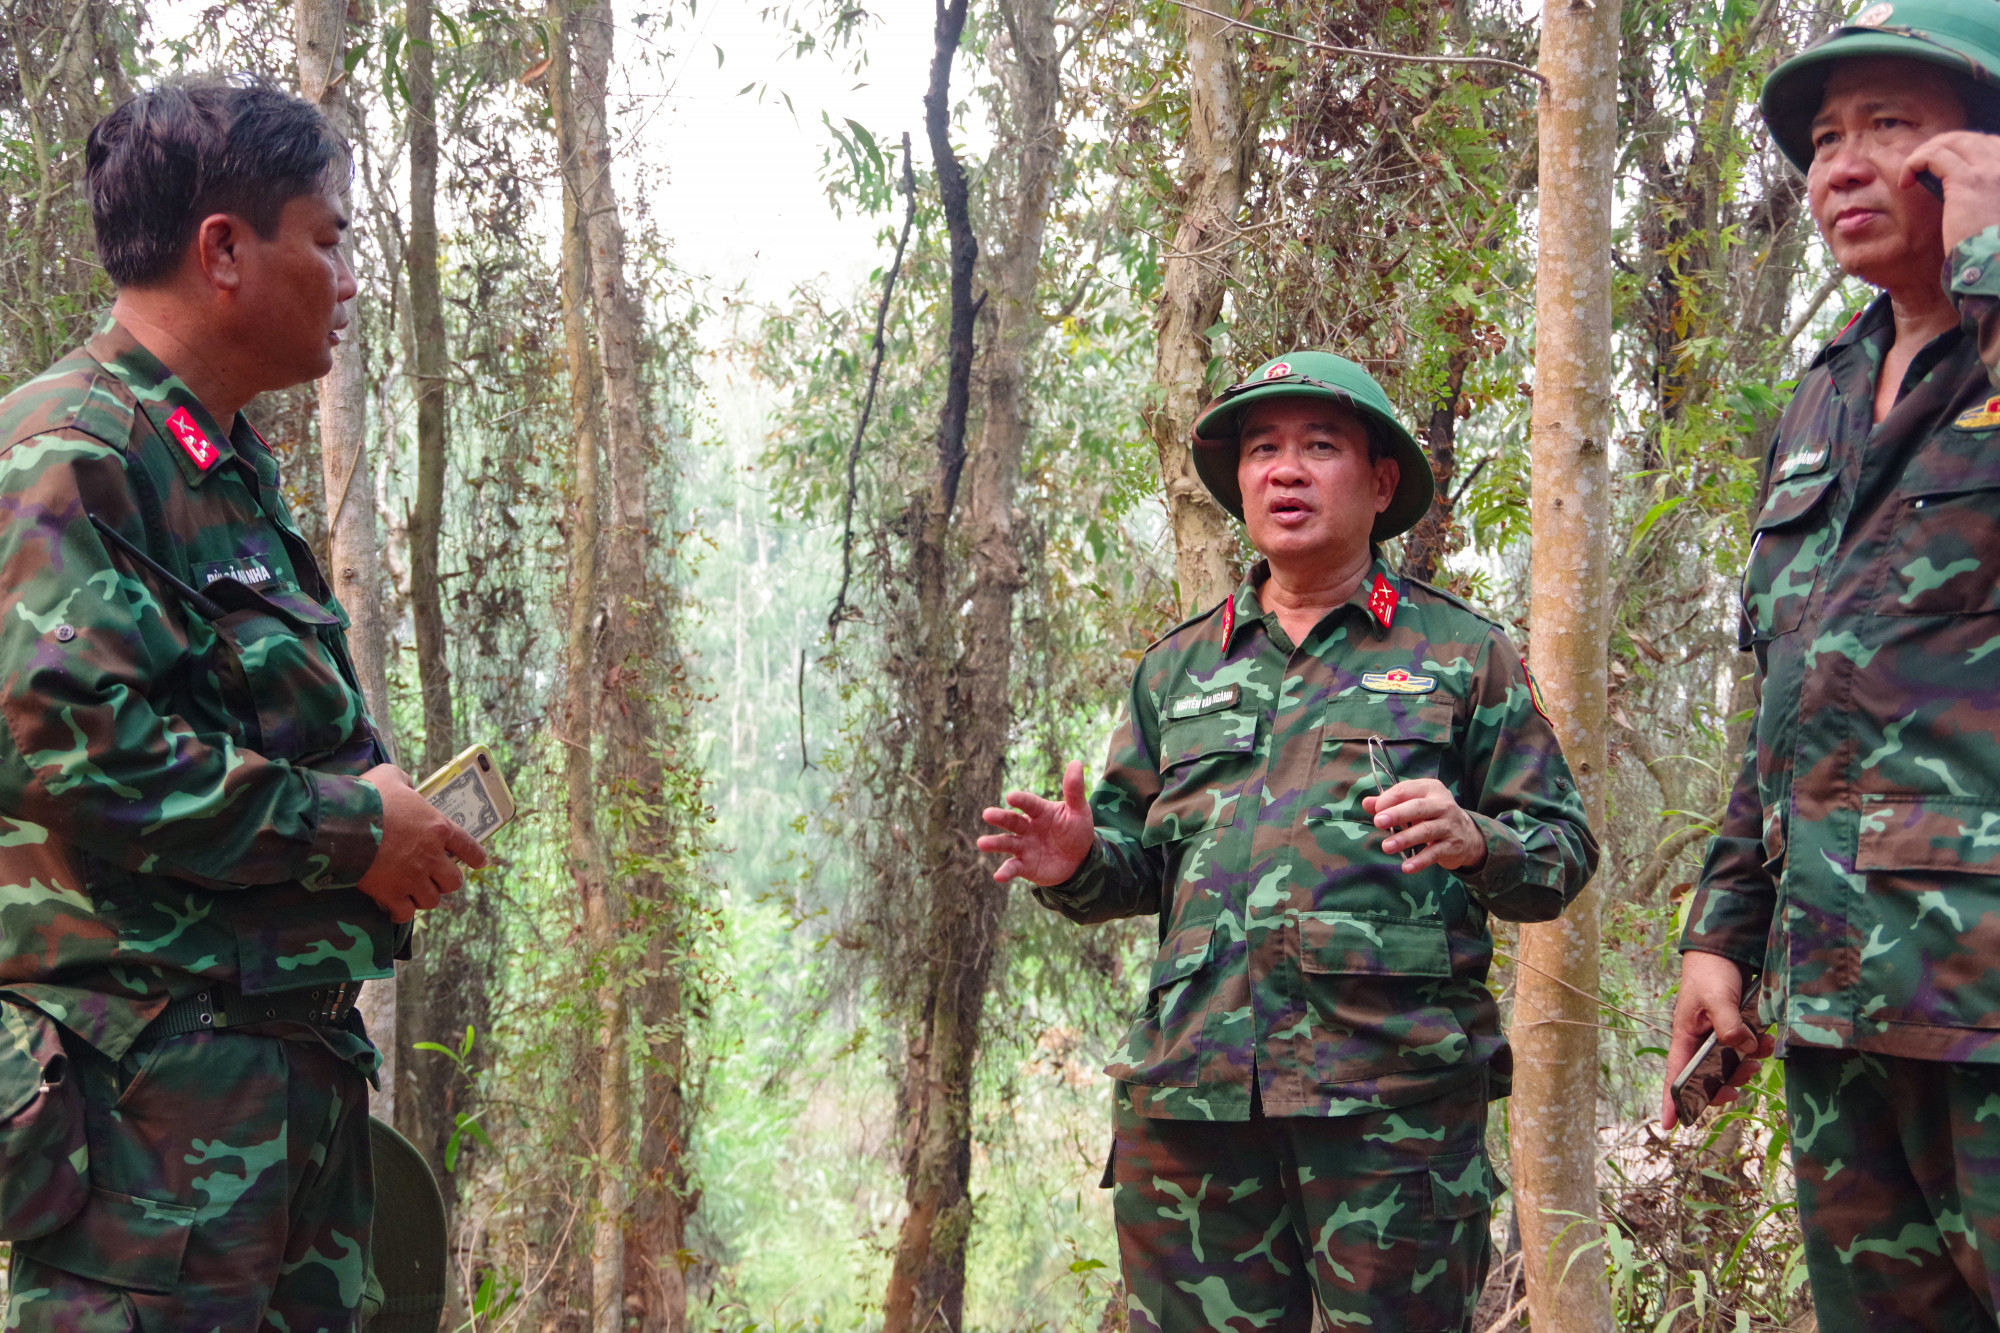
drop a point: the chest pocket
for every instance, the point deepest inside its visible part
(1411, 736)
(1786, 550)
(300, 706)
(1943, 556)
(1203, 763)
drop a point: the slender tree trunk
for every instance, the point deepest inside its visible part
(427, 319)
(926, 1286)
(965, 704)
(1554, 1111)
(1220, 155)
(634, 641)
(440, 990)
(587, 617)
(354, 564)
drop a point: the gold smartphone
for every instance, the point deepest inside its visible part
(471, 793)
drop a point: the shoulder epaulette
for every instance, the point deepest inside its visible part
(74, 394)
(1194, 619)
(1452, 599)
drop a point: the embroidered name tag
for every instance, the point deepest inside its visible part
(1193, 705)
(1981, 418)
(1801, 460)
(249, 570)
(1398, 681)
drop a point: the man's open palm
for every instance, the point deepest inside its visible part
(1044, 841)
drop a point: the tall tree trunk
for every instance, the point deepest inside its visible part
(427, 319)
(441, 990)
(1554, 1112)
(635, 636)
(354, 563)
(584, 636)
(961, 699)
(1221, 152)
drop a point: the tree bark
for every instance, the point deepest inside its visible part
(964, 704)
(354, 564)
(650, 1227)
(583, 642)
(441, 990)
(1554, 1112)
(1215, 170)
(426, 518)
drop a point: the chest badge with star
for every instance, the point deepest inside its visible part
(1982, 417)
(1398, 681)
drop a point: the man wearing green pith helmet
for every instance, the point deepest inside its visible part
(1857, 871)
(1323, 788)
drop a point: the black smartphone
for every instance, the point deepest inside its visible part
(1710, 1069)
(1930, 181)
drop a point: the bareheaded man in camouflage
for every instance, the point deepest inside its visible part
(1324, 787)
(202, 852)
(1857, 872)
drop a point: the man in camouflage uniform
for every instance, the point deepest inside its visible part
(203, 853)
(1301, 1106)
(1855, 869)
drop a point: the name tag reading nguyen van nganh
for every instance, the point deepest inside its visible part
(1193, 705)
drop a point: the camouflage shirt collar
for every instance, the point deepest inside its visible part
(1375, 597)
(1874, 318)
(193, 439)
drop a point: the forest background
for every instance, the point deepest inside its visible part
(763, 571)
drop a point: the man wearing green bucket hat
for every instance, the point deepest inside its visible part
(1323, 788)
(1855, 871)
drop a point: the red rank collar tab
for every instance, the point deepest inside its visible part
(192, 439)
(1382, 599)
(1228, 620)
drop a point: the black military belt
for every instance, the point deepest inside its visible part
(221, 1007)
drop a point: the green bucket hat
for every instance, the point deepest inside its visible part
(407, 1254)
(1960, 35)
(1313, 375)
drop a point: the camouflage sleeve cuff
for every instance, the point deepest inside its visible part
(1074, 896)
(347, 830)
(1973, 268)
(1511, 884)
(1735, 925)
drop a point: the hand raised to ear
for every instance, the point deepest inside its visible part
(1967, 165)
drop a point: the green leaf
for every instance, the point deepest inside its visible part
(1085, 1265)
(1652, 516)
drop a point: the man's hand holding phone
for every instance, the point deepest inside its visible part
(418, 861)
(1711, 1002)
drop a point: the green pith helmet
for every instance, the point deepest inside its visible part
(1315, 375)
(1959, 35)
(407, 1256)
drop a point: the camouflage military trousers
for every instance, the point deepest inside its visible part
(1898, 1167)
(1382, 1217)
(230, 1191)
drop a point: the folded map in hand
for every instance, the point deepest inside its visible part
(471, 793)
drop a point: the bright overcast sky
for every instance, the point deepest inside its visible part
(742, 199)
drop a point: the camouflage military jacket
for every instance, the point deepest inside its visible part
(179, 800)
(1292, 949)
(1858, 866)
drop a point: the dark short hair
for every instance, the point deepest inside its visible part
(179, 152)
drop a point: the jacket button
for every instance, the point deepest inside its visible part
(64, 633)
(1970, 273)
